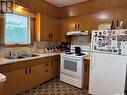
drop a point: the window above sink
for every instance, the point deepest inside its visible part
(17, 29)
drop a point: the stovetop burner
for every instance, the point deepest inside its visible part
(79, 54)
(76, 54)
(69, 53)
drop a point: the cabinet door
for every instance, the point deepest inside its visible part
(54, 68)
(86, 72)
(39, 74)
(49, 28)
(55, 30)
(68, 24)
(18, 81)
(107, 74)
(5, 90)
(84, 22)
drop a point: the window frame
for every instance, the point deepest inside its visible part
(29, 32)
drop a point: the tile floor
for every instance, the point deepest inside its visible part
(54, 87)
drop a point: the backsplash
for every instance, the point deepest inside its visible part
(45, 44)
(5, 51)
(79, 40)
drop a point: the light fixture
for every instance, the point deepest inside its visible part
(103, 16)
(6, 6)
(19, 7)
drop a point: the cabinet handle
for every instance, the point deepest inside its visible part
(26, 71)
(46, 64)
(30, 70)
(78, 26)
(49, 36)
(46, 70)
(65, 36)
(51, 63)
(75, 26)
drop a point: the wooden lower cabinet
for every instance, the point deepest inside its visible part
(86, 73)
(31, 76)
(18, 81)
(54, 68)
(6, 88)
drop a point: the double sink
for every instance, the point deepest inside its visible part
(21, 57)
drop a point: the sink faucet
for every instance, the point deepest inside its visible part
(10, 53)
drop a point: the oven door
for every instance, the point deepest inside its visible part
(72, 66)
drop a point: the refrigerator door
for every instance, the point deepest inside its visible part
(110, 41)
(107, 74)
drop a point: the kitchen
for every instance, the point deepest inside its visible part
(42, 57)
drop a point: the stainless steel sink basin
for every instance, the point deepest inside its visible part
(15, 57)
(31, 55)
(21, 57)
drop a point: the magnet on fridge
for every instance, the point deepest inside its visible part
(104, 32)
(119, 51)
(109, 42)
(114, 50)
(103, 44)
(109, 50)
(113, 32)
(100, 33)
(113, 37)
(126, 38)
(95, 47)
(118, 43)
(118, 46)
(95, 35)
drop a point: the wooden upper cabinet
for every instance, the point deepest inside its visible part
(37, 5)
(69, 24)
(100, 5)
(47, 28)
(84, 22)
(117, 3)
(102, 17)
(31, 4)
(24, 3)
(50, 9)
(122, 15)
(40, 6)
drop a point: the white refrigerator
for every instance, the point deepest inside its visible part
(108, 62)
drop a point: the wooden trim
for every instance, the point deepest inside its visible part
(25, 12)
(18, 45)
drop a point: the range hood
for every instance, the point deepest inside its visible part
(83, 33)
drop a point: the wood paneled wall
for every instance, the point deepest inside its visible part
(2, 25)
(91, 13)
(88, 14)
(90, 7)
(40, 6)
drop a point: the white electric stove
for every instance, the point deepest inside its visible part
(72, 66)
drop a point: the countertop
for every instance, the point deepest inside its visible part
(4, 61)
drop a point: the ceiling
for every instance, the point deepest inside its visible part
(62, 3)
